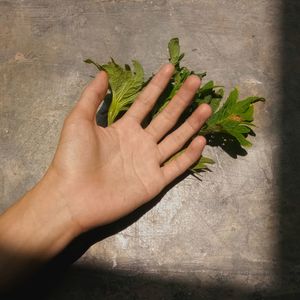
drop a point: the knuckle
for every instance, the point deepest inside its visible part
(182, 100)
(168, 116)
(178, 138)
(192, 124)
(177, 166)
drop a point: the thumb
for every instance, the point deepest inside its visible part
(91, 97)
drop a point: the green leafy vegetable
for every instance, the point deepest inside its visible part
(229, 126)
(124, 85)
(233, 118)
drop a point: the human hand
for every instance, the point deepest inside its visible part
(103, 174)
(100, 174)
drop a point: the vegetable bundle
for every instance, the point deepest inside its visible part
(229, 126)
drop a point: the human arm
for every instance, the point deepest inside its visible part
(101, 174)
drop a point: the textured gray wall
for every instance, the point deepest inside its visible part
(221, 231)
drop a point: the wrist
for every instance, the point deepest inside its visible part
(40, 224)
(51, 212)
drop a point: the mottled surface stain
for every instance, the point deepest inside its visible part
(218, 232)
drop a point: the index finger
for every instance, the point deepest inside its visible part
(147, 98)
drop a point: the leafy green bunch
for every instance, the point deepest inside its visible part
(229, 126)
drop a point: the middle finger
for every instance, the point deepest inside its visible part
(166, 120)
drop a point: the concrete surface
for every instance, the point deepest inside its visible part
(218, 238)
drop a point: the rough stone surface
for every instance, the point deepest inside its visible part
(218, 238)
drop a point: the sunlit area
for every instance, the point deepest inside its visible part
(229, 231)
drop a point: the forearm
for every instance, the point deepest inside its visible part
(34, 230)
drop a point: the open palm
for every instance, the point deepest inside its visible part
(105, 173)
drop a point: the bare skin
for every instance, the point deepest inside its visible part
(100, 174)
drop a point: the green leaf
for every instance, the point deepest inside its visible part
(229, 125)
(208, 86)
(124, 86)
(208, 94)
(231, 101)
(174, 50)
(214, 103)
(233, 118)
(202, 164)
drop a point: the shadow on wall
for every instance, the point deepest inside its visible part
(289, 180)
(57, 280)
